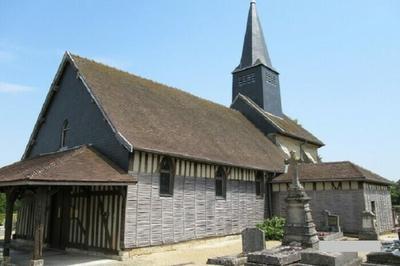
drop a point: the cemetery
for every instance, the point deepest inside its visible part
(300, 240)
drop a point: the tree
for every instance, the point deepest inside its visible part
(395, 193)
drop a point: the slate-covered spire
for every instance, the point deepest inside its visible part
(255, 77)
(254, 48)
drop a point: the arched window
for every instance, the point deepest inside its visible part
(166, 177)
(64, 134)
(220, 183)
(259, 184)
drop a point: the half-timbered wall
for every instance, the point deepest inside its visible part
(25, 219)
(95, 218)
(193, 212)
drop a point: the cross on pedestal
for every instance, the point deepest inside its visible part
(293, 170)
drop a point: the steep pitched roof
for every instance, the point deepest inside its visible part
(83, 165)
(149, 116)
(333, 171)
(284, 124)
(255, 50)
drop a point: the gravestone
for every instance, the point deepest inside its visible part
(253, 239)
(299, 225)
(368, 229)
(332, 222)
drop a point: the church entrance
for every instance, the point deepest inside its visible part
(59, 219)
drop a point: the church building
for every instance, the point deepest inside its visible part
(117, 162)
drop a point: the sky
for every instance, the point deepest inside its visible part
(339, 61)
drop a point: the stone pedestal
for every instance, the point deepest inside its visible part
(299, 226)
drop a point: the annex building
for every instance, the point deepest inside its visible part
(116, 161)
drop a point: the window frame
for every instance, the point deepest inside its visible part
(64, 131)
(170, 171)
(373, 206)
(220, 175)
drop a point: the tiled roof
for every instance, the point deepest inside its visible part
(285, 125)
(157, 118)
(333, 171)
(78, 165)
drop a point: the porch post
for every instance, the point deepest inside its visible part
(39, 217)
(10, 200)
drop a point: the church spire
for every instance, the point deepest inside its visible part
(254, 48)
(255, 78)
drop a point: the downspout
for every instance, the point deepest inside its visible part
(269, 214)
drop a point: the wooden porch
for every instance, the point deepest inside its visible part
(70, 200)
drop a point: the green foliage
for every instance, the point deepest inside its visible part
(2, 218)
(395, 193)
(2, 202)
(273, 228)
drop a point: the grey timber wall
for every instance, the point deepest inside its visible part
(87, 125)
(193, 212)
(346, 199)
(347, 202)
(383, 205)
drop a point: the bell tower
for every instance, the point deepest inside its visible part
(255, 77)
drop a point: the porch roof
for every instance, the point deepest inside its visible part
(81, 165)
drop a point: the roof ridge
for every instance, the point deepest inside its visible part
(149, 80)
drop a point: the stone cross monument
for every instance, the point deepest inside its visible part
(299, 226)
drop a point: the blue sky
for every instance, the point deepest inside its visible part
(339, 61)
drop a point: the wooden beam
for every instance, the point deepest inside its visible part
(39, 218)
(11, 196)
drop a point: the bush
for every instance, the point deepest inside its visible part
(273, 228)
(2, 218)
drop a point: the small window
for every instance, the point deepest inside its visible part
(259, 184)
(220, 183)
(373, 209)
(166, 177)
(64, 134)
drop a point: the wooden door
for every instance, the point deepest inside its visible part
(59, 219)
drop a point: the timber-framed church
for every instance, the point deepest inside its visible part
(116, 162)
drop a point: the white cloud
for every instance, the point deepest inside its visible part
(13, 88)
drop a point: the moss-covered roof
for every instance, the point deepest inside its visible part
(333, 171)
(283, 124)
(158, 118)
(83, 165)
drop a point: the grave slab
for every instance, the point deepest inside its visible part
(281, 256)
(382, 258)
(330, 259)
(233, 260)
